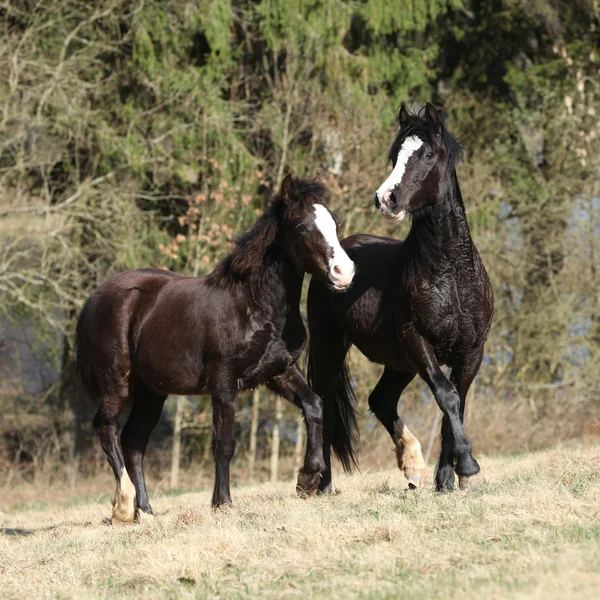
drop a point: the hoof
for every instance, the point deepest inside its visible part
(330, 490)
(471, 483)
(123, 511)
(143, 517)
(308, 484)
(222, 506)
(415, 477)
(122, 516)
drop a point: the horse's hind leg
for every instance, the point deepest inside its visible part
(106, 424)
(145, 414)
(383, 401)
(328, 348)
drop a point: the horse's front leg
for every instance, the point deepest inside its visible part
(292, 386)
(455, 444)
(223, 444)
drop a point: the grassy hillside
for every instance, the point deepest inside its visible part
(534, 532)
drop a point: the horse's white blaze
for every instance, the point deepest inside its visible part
(341, 268)
(409, 147)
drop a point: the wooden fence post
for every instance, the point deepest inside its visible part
(299, 451)
(275, 441)
(176, 454)
(253, 432)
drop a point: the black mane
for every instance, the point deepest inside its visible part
(250, 250)
(417, 125)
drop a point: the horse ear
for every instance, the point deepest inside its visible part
(433, 116)
(403, 116)
(286, 187)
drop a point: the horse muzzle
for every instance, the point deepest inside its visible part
(341, 274)
(388, 204)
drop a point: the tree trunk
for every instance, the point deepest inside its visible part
(275, 442)
(65, 410)
(253, 432)
(176, 454)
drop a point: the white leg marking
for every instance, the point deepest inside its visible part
(124, 500)
(330, 490)
(409, 147)
(143, 517)
(408, 453)
(341, 268)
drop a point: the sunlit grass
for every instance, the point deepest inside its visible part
(532, 532)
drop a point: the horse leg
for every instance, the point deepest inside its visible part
(223, 444)
(326, 485)
(444, 470)
(454, 440)
(145, 414)
(327, 353)
(106, 424)
(292, 386)
(383, 401)
(462, 378)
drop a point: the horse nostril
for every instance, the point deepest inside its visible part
(376, 200)
(337, 270)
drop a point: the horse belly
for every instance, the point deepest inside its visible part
(171, 354)
(171, 368)
(371, 326)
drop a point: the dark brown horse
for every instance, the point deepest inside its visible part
(148, 333)
(413, 306)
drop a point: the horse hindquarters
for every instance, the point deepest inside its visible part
(329, 378)
(103, 365)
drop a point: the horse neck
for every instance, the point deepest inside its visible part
(260, 264)
(278, 283)
(440, 232)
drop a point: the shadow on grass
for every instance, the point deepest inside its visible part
(10, 531)
(23, 531)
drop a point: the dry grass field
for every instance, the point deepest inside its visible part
(534, 532)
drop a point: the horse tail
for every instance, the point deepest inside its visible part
(340, 426)
(83, 351)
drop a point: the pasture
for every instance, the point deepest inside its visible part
(533, 531)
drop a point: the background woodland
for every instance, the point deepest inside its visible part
(150, 133)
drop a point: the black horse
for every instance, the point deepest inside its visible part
(148, 333)
(413, 306)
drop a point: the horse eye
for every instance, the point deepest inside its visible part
(430, 155)
(301, 229)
